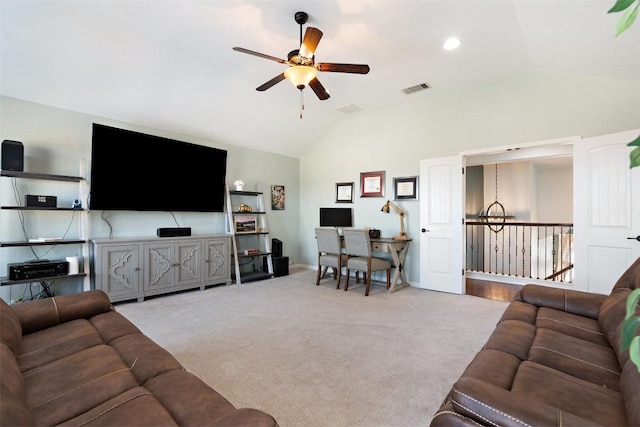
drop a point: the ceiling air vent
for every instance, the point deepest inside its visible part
(416, 88)
(350, 109)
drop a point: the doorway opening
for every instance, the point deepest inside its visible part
(533, 241)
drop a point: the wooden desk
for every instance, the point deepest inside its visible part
(398, 251)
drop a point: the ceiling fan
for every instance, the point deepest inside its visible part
(303, 69)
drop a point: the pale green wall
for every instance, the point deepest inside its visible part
(54, 142)
(535, 106)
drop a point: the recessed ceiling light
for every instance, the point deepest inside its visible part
(451, 43)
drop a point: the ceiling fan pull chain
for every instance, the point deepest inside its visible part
(301, 102)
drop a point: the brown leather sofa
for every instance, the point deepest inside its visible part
(74, 360)
(554, 359)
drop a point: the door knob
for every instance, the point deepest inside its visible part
(424, 230)
(634, 238)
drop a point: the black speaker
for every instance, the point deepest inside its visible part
(276, 247)
(12, 155)
(173, 231)
(280, 266)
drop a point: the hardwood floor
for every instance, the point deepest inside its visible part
(492, 290)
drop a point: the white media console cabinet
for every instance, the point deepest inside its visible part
(135, 268)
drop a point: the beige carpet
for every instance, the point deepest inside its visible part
(317, 356)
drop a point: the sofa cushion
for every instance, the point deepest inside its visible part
(576, 302)
(630, 388)
(188, 399)
(483, 367)
(145, 358)
(10, 328)
(581, 359)
(584, 328)
(136, 406)
(611, 317)
(538, 383)
(67, 387)
(518, 310)
(51, 344)
(12, 404)
(513, 337)
(54, 311)
(487, 404)
(112, 325)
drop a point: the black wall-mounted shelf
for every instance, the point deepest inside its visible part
(44, 243)
(46, 176)
(82, 241)
(37, 208)
(4, 281)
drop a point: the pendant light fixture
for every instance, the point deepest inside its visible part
(495, 215)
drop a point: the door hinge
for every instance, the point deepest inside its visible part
(462, 221)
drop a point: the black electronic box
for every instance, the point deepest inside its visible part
(35, 201)
(37, 269)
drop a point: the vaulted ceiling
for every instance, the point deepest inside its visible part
(170, 65)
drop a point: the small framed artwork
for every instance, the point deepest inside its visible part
(277, 197)
(372, 184)
(245, 223)
(344, 192)
(405, 188)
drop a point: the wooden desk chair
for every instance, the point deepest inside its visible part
(359, 258)
(329, 253)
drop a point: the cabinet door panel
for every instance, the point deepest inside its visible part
(120, 277)
(216, 261)
(187, 271)
(158, 268)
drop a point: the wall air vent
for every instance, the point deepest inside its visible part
(416, 88)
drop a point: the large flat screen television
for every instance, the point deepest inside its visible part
(336, 217)
(138, 172)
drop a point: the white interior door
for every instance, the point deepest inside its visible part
(441, 214)
(606, 210)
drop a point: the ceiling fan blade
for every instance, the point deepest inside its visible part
(310, 42)
(261, 55)
(343, 68)
(318, 89)
(272, 82)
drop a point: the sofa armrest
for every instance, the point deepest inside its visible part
(491, 405)
(576, 302)
(44, 313)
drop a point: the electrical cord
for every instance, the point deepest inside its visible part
(174, 219)
(108, 224)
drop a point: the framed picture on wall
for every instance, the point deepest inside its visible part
(405, 188)
(344, 192)
(372, 184)
(277, 197)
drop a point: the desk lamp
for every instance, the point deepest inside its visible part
(385, 209)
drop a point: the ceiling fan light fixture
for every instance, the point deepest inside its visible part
(300, 75)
